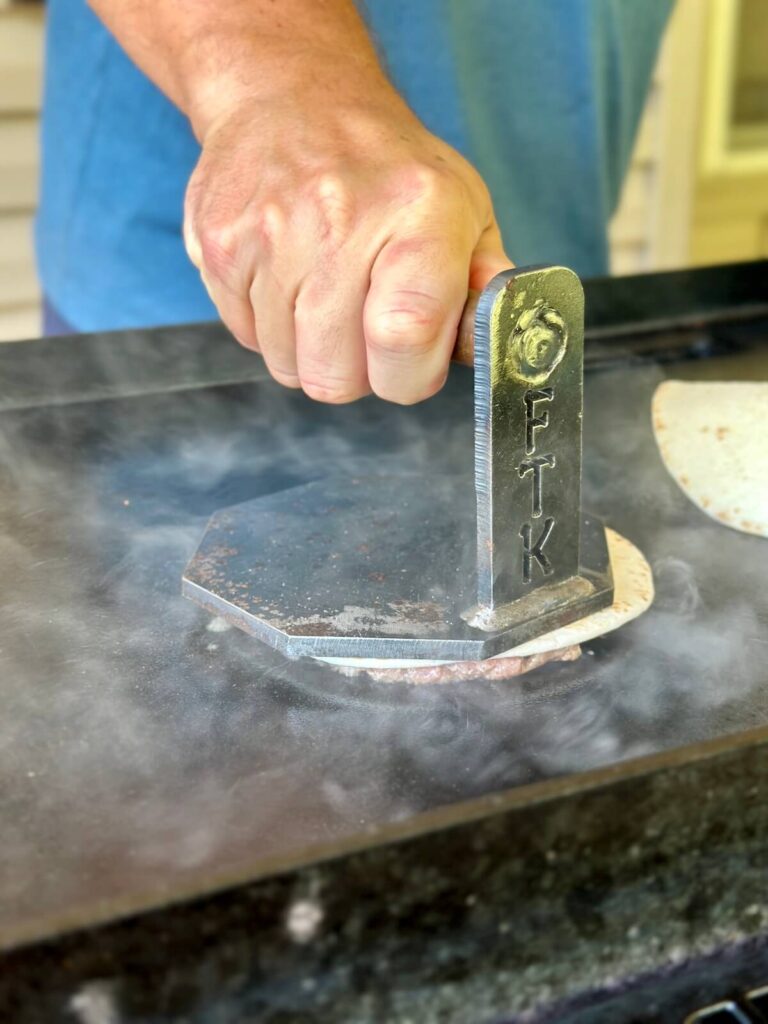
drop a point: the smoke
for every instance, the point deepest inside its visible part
(140, 749)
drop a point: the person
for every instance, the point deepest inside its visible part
(324, 156)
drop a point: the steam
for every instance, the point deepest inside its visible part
(140, 747)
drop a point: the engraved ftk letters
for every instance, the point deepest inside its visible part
(529, 399)
(535, 465)
(533, 549)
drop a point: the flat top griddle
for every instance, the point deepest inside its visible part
(147, 756)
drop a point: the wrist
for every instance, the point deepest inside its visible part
(267, 76)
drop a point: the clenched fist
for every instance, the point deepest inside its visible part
(339, 239)
(334, 233)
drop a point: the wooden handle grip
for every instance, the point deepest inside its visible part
(464, 350)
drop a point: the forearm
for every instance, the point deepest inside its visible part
(209, 55)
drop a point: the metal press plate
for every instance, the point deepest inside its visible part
(416, 568)
(372, 566)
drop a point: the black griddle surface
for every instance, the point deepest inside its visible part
(147, 757)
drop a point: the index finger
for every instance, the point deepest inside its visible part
(417, 292)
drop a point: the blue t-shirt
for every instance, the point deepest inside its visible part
(543, 96)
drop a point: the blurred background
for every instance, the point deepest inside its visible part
(696, 191)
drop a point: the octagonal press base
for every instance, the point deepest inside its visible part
(374, 567)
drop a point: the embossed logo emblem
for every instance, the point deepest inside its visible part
(537, 343)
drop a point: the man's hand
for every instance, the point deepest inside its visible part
(334, 233)
(339, 239)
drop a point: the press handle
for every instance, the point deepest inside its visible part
(464, 350)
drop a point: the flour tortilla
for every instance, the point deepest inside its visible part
(633, 594)
(713, 439)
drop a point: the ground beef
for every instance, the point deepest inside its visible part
(490, 669)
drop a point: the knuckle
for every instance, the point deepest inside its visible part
(333, 202)
(219, 238)
(419, 182)
(409, 325)
(310, 310)
(269, 225)
(218, 248)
